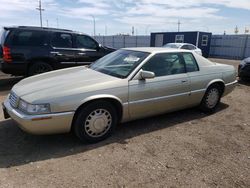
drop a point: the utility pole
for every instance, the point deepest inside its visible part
(179, 25)
(236, 30)
(133, 30)
(57, 23)
(94, 23)
(47, 23)
(40, 9)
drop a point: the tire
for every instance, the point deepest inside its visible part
(95, 122)
(211, 99)
(38, 68)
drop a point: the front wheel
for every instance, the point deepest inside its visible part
(211, 99)
(95, 122)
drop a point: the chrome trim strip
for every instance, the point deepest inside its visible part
(75, 49)
(198, 90)
(231, 83)
(159, 98)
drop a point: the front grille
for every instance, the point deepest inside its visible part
(14, 99)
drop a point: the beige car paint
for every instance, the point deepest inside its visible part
(66, 90)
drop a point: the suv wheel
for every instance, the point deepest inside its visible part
(38, 68)
(95, 122)
(211, 98)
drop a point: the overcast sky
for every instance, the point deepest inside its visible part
(118, 16)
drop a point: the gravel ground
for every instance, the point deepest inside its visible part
(181, 149)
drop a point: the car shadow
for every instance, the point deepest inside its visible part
(245, 82)
(19, 148)
(7, 83)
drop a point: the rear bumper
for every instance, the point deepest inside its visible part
(229, 87)
(40, 124)
(18, 69)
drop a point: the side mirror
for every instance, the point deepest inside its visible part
(146, 75)
(99, 46)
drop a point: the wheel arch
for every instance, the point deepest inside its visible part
(48, 60)
(115, 101)
(219, 82)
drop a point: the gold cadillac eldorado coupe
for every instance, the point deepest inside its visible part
(125, 85)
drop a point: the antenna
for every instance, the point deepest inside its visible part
(40, 9)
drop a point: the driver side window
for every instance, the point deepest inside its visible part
(165, 64)
(83, 41)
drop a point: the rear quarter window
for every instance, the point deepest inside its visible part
(28, 38)
(191, 64)
(3, 35)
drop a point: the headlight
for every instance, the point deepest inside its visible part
(34, 108)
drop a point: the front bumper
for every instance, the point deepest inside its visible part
(40, 124)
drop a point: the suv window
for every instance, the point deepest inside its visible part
(165, 64)
(28, 38)
(61, 40)
(83, 41)
(191, 64)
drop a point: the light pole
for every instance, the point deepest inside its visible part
(94, 23)
(146, 30)
(179, 25)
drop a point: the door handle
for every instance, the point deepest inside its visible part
(81, 53)
(56, 53)
(184, 81)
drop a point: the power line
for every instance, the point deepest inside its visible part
(40, 9)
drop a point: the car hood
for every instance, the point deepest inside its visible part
(62, 83)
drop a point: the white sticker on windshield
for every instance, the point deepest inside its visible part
(131, 59)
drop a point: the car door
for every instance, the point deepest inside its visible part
(62, 49)
(198, 79)
(168, 91)
(87, 50)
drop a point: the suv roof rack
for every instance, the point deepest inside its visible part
(43, 28)
(38, 28)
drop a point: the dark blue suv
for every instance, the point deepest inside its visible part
(33, 50)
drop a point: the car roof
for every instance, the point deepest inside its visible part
(155, 49)
(181, 44)
(42, 29)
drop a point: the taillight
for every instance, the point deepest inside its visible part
(6, 54)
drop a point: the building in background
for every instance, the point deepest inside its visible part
(200, 39)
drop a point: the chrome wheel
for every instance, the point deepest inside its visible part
(98, 123)
(212, 98)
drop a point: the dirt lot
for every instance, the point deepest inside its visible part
(181, 149)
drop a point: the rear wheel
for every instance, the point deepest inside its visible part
(211, 98)
(95, 122)
(38, 68)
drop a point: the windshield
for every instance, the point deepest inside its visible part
(119, 63)
(171, 45)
